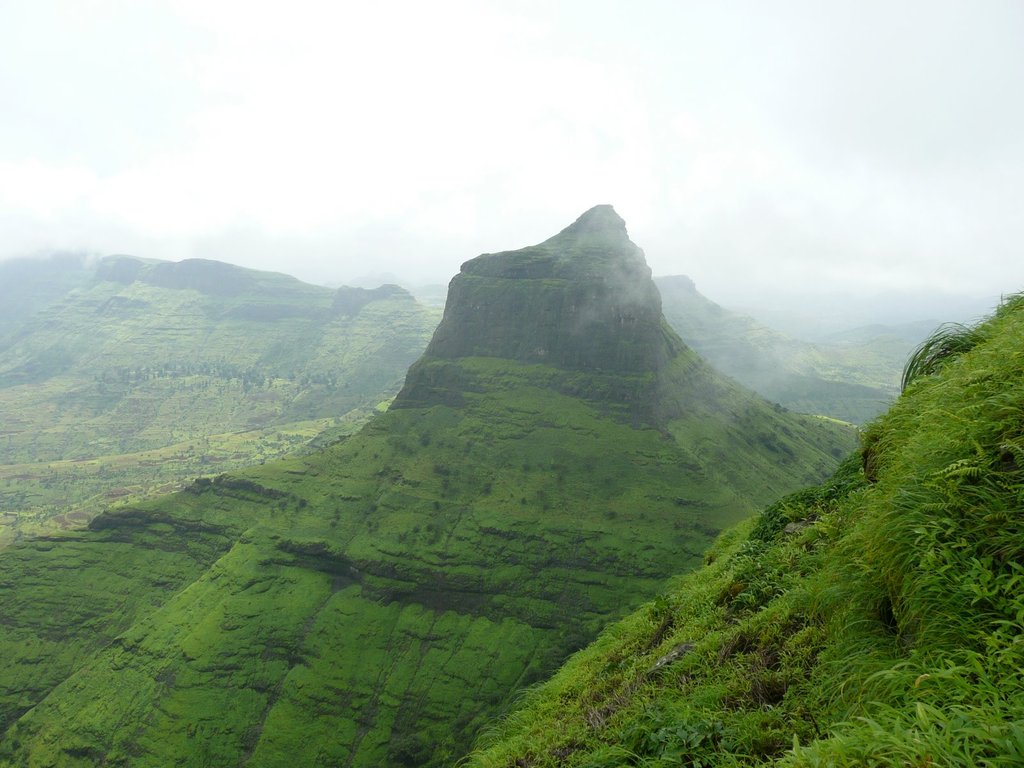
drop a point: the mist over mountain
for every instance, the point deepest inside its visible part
(29, 284)
(853, 375)
(816, 316)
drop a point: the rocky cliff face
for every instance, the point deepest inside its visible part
(581, 301)
(214, 278)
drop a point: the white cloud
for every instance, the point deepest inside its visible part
(741, 142)
(42, 190)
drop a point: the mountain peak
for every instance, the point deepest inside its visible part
(599, 233)
(582, 300)
(595, 244)
(600, 218)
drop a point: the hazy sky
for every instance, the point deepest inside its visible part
(852, 146)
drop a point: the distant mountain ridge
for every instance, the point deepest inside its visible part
(853, 378)
(123, 374)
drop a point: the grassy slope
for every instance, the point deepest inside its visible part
(374, 603)
(871, 621)
(853, 380)
(121, 387)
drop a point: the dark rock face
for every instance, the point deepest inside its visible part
(582, 300)
(120, 269)
(214, 278)
(581, 304)
(210, 277)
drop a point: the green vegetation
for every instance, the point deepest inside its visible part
(854, 380)
(874, 620)
(41, 497)
(376, 602)
(140, 375)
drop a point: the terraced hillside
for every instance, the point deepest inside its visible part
(854, 378)
(131, 375)
(555, 454)
(873, 620)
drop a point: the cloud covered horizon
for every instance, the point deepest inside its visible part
(806, 147)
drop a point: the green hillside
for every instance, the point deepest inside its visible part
(874, 620)
(552, 458)
(133, 375)
(853, 377)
